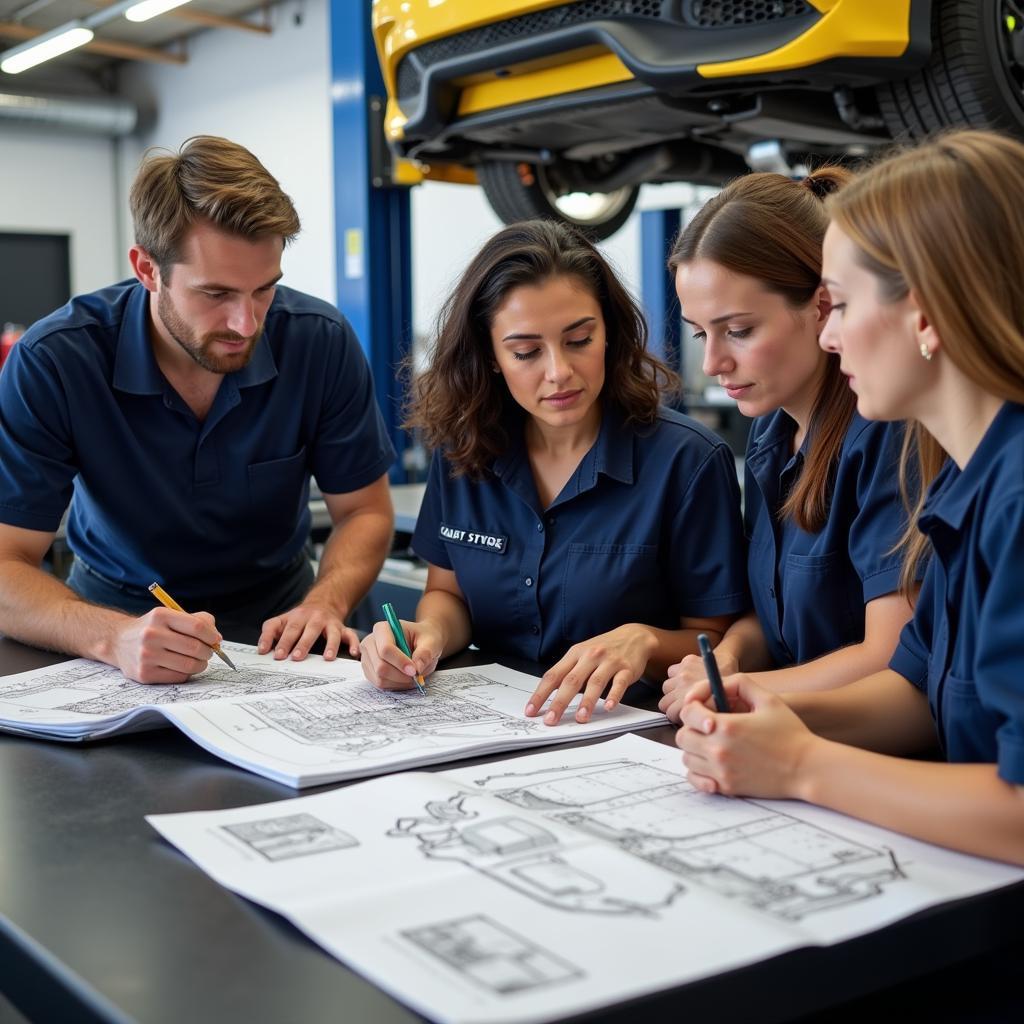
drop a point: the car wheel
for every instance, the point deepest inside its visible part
(523, 191)
(974, 77)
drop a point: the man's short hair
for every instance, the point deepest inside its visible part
(210, 179)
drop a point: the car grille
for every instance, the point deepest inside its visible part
(704, 14)
(733, 13)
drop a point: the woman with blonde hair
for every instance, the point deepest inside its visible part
(822, 508)
(924, 260)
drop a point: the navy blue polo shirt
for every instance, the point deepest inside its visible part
(809, 589)
(86, 416)
(647, 529)
(965, 644)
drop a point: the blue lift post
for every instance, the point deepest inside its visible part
(658, 229)
(372, 239)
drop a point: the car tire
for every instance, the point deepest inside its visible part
(519, 191)
(968, 80)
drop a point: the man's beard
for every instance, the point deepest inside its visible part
(201, 350)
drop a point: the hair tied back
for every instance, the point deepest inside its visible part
(822, 183)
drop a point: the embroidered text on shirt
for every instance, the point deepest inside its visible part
(474, 539)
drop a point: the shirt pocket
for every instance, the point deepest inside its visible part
(277, 491)
(606, 585)
(966, 727)
(823, 604)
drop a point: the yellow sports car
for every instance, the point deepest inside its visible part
(542, 99)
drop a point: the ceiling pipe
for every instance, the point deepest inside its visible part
(100, 115)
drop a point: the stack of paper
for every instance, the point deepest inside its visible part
(300, 723)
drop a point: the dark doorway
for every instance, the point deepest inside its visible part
(35, 276)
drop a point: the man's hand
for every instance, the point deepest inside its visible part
(297, 630)
(165, 646)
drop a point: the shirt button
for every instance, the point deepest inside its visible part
(551, 520)
(540, 527)
(528, 581)
(535, 630)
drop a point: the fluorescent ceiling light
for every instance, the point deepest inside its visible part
(151, 8)
(50, 44)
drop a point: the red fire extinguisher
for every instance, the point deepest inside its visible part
(11, 333)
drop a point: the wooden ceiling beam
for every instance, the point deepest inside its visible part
(187, 13)
(104, 47)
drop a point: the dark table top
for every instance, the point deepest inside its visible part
(100, 919)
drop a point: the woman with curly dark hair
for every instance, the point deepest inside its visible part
(569, 517)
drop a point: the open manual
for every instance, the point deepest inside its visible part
(537, 887)
(300, 723)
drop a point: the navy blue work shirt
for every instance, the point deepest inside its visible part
(810, 589)
(86, 416)
(965, 645)
(647, 530)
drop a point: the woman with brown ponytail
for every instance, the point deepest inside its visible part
(924, 260)
(822, 506)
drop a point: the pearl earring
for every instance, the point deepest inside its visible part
(926, 352)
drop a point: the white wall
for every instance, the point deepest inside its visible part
(271, 94)
(450, 222)
(623, 252)
(63, 183)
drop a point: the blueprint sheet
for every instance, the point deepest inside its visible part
(537, 887)
(301, 723)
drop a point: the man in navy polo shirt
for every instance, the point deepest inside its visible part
(182, 415)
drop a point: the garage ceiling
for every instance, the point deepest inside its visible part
(161, 39)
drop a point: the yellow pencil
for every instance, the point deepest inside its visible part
(168, 602)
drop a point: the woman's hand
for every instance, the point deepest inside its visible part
(757, 749)
(387, 667)
(684, 675)
(618, 657)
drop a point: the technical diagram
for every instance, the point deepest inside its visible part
(290, 836)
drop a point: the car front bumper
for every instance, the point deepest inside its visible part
(465, 85)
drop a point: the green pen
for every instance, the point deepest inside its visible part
(403, 644)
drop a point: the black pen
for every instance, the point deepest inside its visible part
(714, 676)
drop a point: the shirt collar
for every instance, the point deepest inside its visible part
(611, 454)
(135, 367)
(954, 491)
(260, 368)
(613, 451)
(770, 453)
(778, 430)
